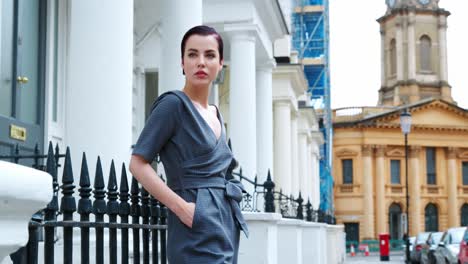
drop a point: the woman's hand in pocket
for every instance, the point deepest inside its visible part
(187, 213)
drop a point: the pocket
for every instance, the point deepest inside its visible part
(196, 212)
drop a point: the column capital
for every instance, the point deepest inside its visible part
(241, 32)
(452, 152)
(266, 66)
(380, 150)
(367, 150)
(414, 151)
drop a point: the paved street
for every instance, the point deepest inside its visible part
(395, 258)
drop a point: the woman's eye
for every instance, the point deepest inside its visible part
(191, 55)
(211, 56)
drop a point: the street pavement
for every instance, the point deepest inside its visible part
(395, 258)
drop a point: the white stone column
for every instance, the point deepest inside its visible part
(177, 17)
(367, 182)
(264, 120)
(453, 215)
(282, 145)
(399, 51)
(242, 101)
(304, 163)
(295, 181)
(411, 48)
(443, 47)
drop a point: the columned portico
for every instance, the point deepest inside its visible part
(264, 112)
(177, 17)
(242, 105)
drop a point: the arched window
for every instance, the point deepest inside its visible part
(464, 215)
(431, 218)
(425, 53)
(393, 57)
(394, 216)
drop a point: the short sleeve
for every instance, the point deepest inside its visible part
(159, 127)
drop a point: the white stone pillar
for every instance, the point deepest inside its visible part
(177, 17)
(399, 51)
(303, 160)
(367, 175)
(411, 48)
(295, 181)
(282, 145)
(453, 215)
(242, 104)
(264, 120)
(443, 47)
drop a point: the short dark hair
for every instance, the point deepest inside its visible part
(203, 31)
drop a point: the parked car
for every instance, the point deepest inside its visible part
(449, 246)
(417, 246)
(427, 250)
(463, 255)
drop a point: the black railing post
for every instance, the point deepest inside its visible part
(112, 212)
(124, 212)
(16, 158)
(85, 208)
(155, 214)
(135, 212)
(309, 211)
(300, 214)
(163, 233)
(67, 207)
(145, 213)
(51, 209)
(99, 209)
(269, 186)
(36, 157)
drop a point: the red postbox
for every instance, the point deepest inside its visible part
(384, 242)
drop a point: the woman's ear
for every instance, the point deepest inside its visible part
(221, 63)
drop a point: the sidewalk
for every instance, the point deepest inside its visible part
(395, 258)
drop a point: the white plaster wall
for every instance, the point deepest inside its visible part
(99, 91)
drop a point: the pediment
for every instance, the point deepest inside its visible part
(436, 113)
(396, 152)
(345, 152)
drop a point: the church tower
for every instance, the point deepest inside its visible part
(413, 52)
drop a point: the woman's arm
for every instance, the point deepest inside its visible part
(148, 178)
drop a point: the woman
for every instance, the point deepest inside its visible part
(189, 136)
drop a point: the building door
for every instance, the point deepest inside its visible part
(394, 216)
(22, 46)
(352, 233)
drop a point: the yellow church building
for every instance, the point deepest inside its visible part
(369, 146)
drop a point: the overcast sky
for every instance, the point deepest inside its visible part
(355, 51)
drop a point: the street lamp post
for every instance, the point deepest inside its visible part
(405, 123)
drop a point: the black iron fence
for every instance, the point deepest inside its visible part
(111, 210)
(119, 210)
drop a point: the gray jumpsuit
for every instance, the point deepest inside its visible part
(195, 162)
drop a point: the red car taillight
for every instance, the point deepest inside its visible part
(418, 247)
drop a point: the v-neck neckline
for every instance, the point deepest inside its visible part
(218, 116)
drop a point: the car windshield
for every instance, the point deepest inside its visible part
(436, 237)
(457, 235)
(422, 237)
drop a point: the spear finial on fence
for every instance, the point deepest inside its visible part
(99, 205)
(124, 195)
(299, 201)
(84, 204)
(112, 194)
(309, 210)
(68, 204)
(269, 186)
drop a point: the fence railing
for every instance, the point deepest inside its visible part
(111, 210)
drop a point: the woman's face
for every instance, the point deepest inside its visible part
(201, 61)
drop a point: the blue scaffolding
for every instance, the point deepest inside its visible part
(310, 37)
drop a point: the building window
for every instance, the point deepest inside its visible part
(393, 57)
(465, 172)
(394, 216)
(425, 53)
(464, 215)
(347, 167)
(431, 218)
(431, 165)
(395, 171)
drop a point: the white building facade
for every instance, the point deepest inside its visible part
(99, 65)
